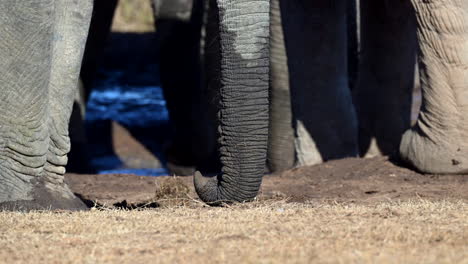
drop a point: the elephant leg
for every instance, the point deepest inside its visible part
(386, 75)
(193, 139)
(243, 101)
(438, 143)
(323, 112)
(41, 55)
(281, 150)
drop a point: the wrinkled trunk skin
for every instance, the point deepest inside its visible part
(243, 107)
(325, 120)
(281, 149)
(386, 75)
(438, 142)
(41, 55)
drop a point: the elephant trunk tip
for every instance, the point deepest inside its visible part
(212, 192)
(207, 188)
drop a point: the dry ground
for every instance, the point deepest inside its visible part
(271, 231)
(348, 211)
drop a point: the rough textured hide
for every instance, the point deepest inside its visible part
(42, 50)
(438, 142)
(244, 43)
(24, 77)
(71, 29)
(281, 149)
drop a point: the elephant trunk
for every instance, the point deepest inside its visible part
(243, 107)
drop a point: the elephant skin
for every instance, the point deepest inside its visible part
(438, 142)
(243, 109)
(41, 55)
(323, 112)
(41, 49)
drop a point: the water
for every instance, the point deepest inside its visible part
(138, 108)
(134, 106)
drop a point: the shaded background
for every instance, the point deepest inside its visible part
(127, 123)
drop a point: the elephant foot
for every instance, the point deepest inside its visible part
(433, 156)
(46, 196)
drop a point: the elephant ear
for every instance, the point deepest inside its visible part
(243, 101)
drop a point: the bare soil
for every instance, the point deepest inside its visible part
(362, 181)
(356, 180)
(344, 211)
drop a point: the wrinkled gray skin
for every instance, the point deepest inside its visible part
(243, 109)
(37, 92)
(312, 115)
(41, 48)
(309, 42)
(438, 142)
(320, 94)
(322, 110)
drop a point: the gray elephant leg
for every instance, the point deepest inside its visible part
(281, 149)
(438, 143)
(243, 107)
(41, 56)
(386, 75)
(325, 120)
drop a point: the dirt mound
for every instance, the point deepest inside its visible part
(364, 181)
(348, 180)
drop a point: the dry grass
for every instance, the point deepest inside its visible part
(260, 232)
(133, 16)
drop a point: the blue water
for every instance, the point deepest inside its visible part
(136, 107)
(140, 172)
(132, 106)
